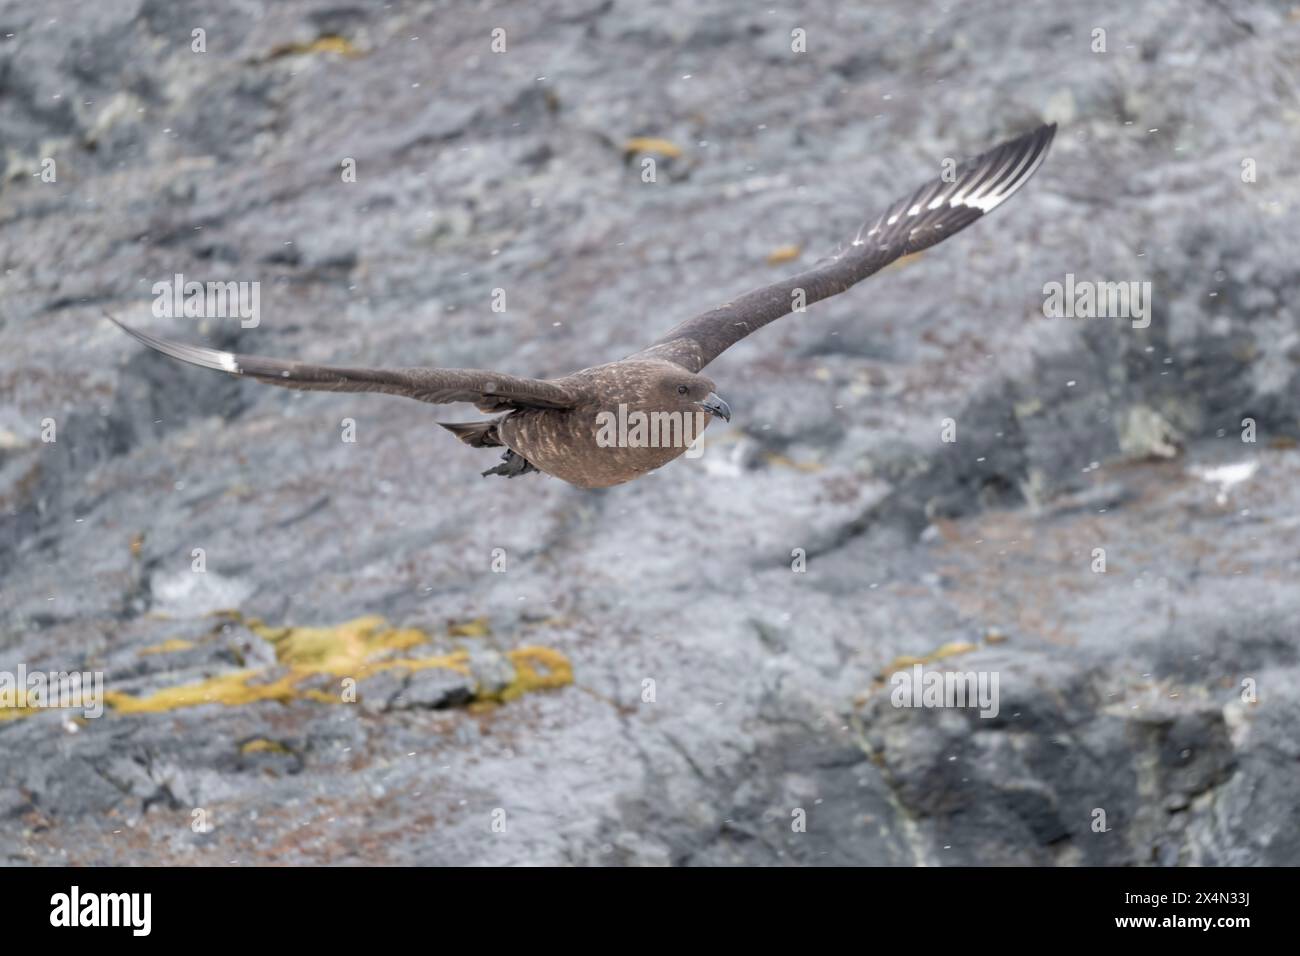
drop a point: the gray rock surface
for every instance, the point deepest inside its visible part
(1119, 691)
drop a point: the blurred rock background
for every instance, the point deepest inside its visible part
(504, 717)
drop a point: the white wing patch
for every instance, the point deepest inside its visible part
(983, 185)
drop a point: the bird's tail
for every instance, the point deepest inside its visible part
(475, 434)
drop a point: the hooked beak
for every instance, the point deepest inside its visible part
(716, 406)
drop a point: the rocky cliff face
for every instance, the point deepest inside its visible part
(321, 650)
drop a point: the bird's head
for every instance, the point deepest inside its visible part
(685, 391)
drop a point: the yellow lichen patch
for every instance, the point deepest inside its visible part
(782, 461)
(536, 668)
(457, 661)
(475, 628)
(356, 649)
(951, 649)
(1027, 408)
(782, 254)
(652, 144)
(554, 622)
(166, 647)
(340, 650)
(261, 745)
(330, 43)
(230, 689)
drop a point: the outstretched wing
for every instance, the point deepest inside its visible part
(931, 214)
(490, 391)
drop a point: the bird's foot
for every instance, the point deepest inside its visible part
(511, 465)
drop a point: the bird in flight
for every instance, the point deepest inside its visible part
(609, 424)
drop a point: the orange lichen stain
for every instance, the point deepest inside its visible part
(782, 254)
(652, 144)
(167, 647)
(355, 649)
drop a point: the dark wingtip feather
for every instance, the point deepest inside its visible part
(940, 208)
(191, 354)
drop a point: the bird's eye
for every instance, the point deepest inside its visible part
(682, 389)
